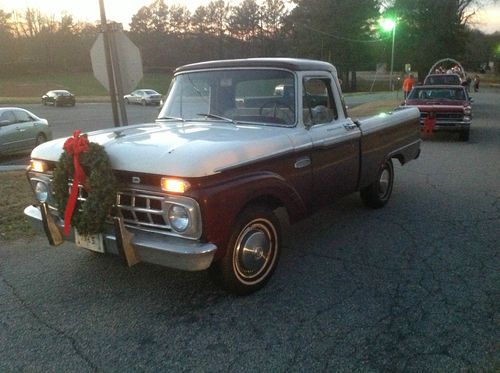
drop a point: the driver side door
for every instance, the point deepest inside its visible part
(335, 141)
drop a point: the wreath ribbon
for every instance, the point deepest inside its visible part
(74, 146)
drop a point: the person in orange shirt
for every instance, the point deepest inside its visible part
(408, 84)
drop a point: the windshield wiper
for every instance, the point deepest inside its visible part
(215, 116)
(170, 118)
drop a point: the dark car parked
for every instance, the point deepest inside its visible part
(21, 130)
(59, 97)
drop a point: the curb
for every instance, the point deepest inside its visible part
(13, 168)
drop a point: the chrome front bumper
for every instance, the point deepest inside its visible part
(448, 126)
(150, 247)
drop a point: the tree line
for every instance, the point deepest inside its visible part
(345, 33)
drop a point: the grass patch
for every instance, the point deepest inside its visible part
(32, 87)
(16, 195)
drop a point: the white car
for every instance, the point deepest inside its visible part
(143, 97)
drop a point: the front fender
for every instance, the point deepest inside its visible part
(222, 202)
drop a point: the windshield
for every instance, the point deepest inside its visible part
(446, 79)
(437, 94)
(262, 96)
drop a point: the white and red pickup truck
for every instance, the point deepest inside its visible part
(240, 149)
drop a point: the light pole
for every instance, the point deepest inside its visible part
(389, 24)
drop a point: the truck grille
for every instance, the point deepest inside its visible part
(142, 210)
(139, 209)
(452, 116)
(148, 210)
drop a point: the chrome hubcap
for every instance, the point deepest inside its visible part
(384, 182)
(254, 251)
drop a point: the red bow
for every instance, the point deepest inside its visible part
(74, 146)
(429, 124)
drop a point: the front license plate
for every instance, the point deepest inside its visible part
(92, 242)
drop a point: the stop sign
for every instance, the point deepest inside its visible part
(128, 58)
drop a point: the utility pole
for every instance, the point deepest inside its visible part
(113, 70)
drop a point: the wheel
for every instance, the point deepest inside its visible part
(464, 135)
(143, 102)
(40, 139)
(377, 194)
(127, 101)
(252, 253)
(44, 103)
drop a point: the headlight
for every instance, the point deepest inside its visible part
(178, 216)
(467, 110)
(41, 191)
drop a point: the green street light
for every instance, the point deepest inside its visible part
(388, 24)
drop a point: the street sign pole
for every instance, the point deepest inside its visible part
(118, 76)
(109, 65)
(117, 65)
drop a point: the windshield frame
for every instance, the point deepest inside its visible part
(232, 78)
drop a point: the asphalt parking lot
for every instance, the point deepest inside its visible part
(412, 287)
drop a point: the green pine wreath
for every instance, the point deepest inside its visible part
(88, 217)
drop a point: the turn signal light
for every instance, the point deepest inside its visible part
(38, 166)
(174, 185)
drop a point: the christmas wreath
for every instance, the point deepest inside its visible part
(85, 163)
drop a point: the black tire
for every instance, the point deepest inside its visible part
(40, 139)
(377, 194)
(464, 135)
(143, 102)
(252, 253)
(127, 101)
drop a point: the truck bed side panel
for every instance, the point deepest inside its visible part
(393, 135)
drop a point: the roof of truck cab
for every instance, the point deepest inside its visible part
(294, 64)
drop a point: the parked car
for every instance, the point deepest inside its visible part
(442, 79)
(59, 97)
(143, 97)
(450, 105)
(21, 130)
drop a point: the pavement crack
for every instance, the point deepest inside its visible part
(25, 305)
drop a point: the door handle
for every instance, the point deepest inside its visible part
(302, 162)
(350, 126)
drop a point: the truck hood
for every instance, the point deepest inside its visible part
(191, 149)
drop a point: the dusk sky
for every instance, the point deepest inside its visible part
(487, 19)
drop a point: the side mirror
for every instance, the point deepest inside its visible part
(471, 100)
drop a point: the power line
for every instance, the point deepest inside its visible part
(344, 38)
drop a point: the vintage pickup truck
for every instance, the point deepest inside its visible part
(240, 149)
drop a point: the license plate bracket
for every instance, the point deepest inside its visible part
(92, 242)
